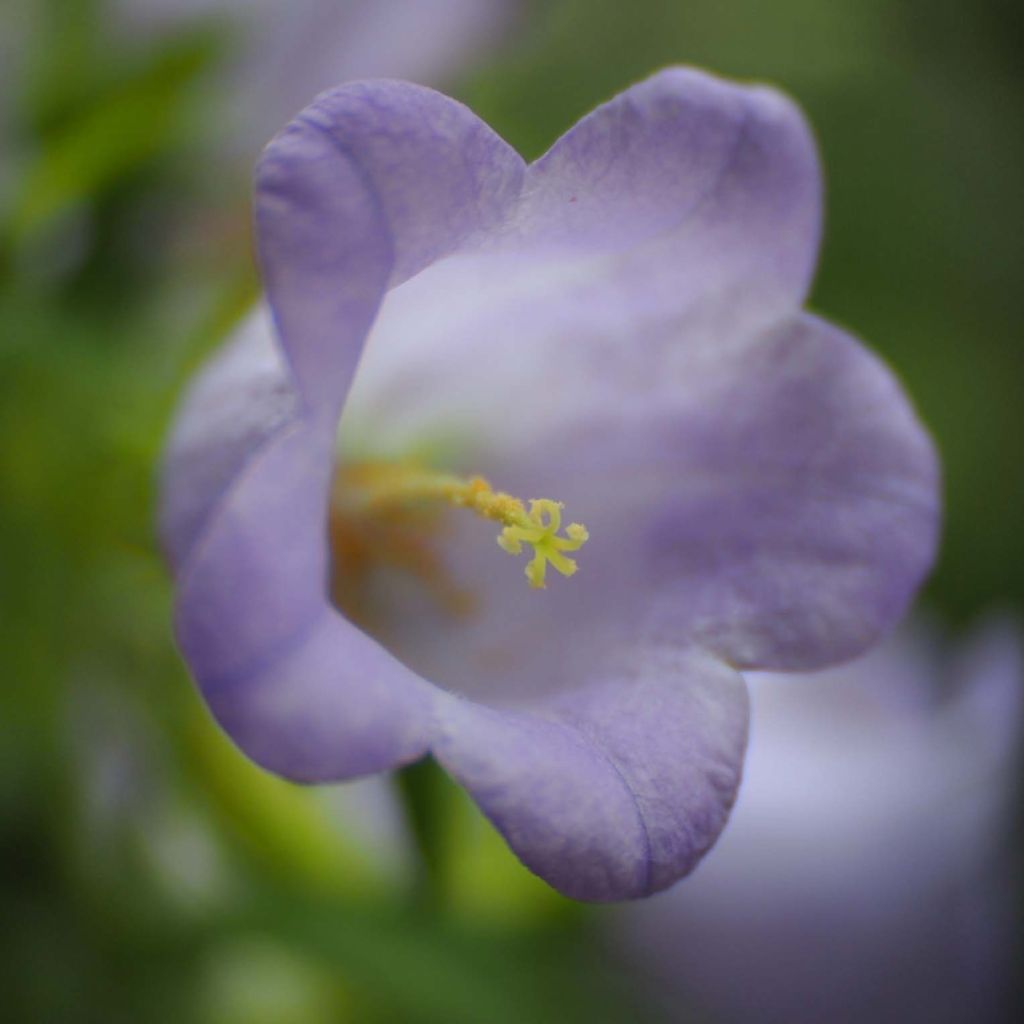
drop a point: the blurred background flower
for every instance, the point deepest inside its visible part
(865, 874)
(279, 56)
(148, 872)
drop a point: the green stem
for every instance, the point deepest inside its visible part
(423, 790)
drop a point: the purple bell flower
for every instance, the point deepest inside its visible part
(616, 328)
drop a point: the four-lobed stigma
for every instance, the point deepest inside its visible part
(383, 487)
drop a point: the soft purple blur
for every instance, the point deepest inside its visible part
(283, 53)
(864, 874)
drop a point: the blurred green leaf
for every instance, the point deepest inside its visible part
(425, 971)
(282, 824)
(124, 128)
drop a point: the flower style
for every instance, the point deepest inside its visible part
(616, 328)
(864, 874)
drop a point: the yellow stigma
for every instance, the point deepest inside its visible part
(384, 487)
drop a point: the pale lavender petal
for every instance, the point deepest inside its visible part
(558, 801)
(759, 455)
(686, 212)
(300, 690)
(776, 496)
(718, 181)
(330, 705)
(239, 399)
(341, 201)
(369, 184)
(624, 784)
(805, 509)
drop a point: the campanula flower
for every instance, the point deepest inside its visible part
(864, 875)
(592, 372)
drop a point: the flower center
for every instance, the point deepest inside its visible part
(383, 514)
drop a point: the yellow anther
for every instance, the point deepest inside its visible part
(383, 488)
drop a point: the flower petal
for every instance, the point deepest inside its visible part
(776, 498)
(623, 785)
(335, 705)
(804, 512)
(710, 170)
(334, 208)
(239, 399)
(686, 207)
(774, 494)
(650, 336)
(302, 691)
(364, 188)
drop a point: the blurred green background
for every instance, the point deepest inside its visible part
(149, 873)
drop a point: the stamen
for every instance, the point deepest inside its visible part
(381, 488)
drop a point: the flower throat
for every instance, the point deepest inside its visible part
(381, 513)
